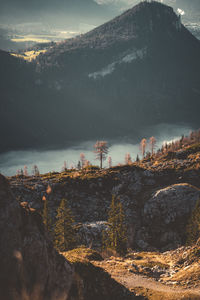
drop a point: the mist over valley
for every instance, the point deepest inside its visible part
(53, 160)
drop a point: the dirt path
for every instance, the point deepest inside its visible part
(133, 280)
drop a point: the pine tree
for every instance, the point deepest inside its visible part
(46, 215)
(137, 158)
(193, 227)
(64, 233)
(116, 236)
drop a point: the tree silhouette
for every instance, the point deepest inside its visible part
(101, 150)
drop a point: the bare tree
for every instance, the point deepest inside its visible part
(36, 171)
(87, 163)
(152, 144)
(25, 171)
(101, 149)
(64, 168)
(82, 159)
(128, 159)
(109, 162)
(72, 167)
(79, 165)
(143, 145)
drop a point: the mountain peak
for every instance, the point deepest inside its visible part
(143, 20)
(144, 17)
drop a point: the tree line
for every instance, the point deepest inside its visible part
(147, 149)
(114, 237)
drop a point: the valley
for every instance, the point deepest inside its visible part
(158, 196)
(121, 77)
(100, 150)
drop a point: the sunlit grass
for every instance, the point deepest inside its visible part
(29, 55)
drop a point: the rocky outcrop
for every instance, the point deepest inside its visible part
(166, 213)
(90, 234)
(89, 196)
(93, 282)
(30, 268)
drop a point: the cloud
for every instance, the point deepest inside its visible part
(180, 12)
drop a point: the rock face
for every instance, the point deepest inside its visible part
(90, 234)
(157, 199)
(30, 268)
(166, 212)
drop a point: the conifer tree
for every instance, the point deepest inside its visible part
(116, 236)
(46, 215)
(137, 158)
(193, 227)
(64, 233)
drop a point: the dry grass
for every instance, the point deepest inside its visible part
(157, 295)
(29, 55)
(82, 254)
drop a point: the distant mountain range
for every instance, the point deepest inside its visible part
(138, 70)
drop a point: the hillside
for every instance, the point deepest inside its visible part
(158, 194)
(151, 192)
(136, 71)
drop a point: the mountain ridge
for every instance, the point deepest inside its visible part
(125, 27)
(116, 80)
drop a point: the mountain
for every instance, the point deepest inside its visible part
(138, 70)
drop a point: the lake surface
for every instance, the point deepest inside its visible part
(53, 160)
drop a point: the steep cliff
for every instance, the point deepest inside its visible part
(30, 268)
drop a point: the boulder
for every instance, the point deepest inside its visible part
(90, 234)
(166, 213)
